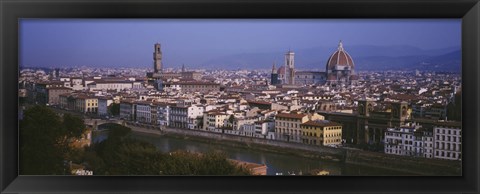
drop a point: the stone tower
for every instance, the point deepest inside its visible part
(274, 75)
(289, 68)
(157, 58)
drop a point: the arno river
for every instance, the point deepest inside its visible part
(276, 162)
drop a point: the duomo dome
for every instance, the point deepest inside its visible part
(340, 60)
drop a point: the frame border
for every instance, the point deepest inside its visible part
(11, 11)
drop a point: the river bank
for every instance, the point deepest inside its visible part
(404, 164)
(296, 149)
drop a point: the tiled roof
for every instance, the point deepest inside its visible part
(320, 123)
(289, 115)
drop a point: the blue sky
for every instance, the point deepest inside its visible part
(129, 42)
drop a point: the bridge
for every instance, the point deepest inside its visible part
(94, 123)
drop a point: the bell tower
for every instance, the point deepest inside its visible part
(290, 67)
(157, 58)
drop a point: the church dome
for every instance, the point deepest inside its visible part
(340, 58)
(281, 70)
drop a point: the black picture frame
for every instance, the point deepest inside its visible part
(11, 11)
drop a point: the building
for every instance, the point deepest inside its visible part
(194, 113)
(178, 116)
(199, 86)
(287, 126)
(77, 83)
(265, 128)
(321, 132)
(42, 91)
(185, 115)
(105, 85)
(163, 117)
(399, 141)
(159, 74)
(103, 104)
(309, 77)
(274, 76)
(143, 112)
(86, 104)
(290, 68)
(340, 68)
(157, 58)
(444, 141)
(286, 73)
(448, 140)
(53, 94)
(127, 110)
(368, 124)
(214, 120)
(239, 123)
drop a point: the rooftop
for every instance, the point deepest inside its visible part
(321, 123)
(290, 115)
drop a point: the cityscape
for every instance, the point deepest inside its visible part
(342, 116)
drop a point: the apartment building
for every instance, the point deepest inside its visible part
(448, 140)
(103, 104)
(321, 132)
(287, 126)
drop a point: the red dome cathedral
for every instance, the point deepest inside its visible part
(340, 58)
(340, 67)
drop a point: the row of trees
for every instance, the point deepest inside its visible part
(45, 139)
(121, 155)
(45, 146)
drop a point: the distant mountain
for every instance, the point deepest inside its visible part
(366, 57)
(447, 62)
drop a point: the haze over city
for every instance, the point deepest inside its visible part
(216, 43)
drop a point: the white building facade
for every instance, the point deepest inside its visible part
(144, 112)
(448, 142)
(103, 104)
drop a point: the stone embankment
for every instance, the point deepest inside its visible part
(414, 165)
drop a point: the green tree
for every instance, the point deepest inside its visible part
(121, 155)
(74, 126)
(45, 140)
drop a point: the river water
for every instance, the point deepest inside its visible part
(276, 162)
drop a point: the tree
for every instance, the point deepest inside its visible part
(74, 126)
(121, 155)
(45, 140)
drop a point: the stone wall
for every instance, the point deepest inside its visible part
(420, 166)
(249, 141)
(423, 166)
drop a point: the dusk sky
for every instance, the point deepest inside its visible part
(115, 42)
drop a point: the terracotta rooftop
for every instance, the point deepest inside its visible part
(320, 123)
(289, 115)
(59, 88)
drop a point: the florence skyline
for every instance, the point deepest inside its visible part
(48, 42)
